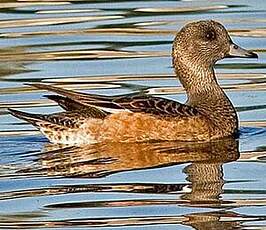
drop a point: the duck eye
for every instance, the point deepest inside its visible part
(210, 35)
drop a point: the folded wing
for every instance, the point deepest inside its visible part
(71, 100)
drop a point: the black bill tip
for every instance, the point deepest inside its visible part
(252, 55)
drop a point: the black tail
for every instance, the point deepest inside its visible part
(32, 118)
(66, 103)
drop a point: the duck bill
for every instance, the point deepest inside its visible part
(236, 51)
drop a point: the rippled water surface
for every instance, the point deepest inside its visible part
(120, 47)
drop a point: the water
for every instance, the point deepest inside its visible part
(119, 47)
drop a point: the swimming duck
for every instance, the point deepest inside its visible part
(208, 113)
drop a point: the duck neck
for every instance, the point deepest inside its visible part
(206, 95)
(199, 82)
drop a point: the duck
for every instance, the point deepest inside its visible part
(208, 114)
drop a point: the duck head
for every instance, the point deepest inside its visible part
(203, 43)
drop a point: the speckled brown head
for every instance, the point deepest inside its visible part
(196, 48)
(203, 43)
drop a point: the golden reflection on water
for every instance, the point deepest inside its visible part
(140, 30)
(24, 3)
(181, 9)
(142, 155)
(100, 160)
(200, 221)
(77, 54)
(52, 21)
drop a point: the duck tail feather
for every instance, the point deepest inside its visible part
(66, 103)
(32, 118)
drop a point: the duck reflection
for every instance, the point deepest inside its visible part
(214, 220)
(102, 159)
(203, 187)
(204, 173)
